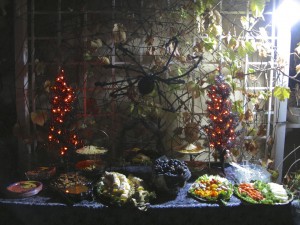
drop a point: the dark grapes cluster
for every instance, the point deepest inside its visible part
(170, 167)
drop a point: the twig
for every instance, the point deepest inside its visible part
(287, 157)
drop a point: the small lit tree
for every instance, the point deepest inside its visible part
(221, 129)
(62, 99)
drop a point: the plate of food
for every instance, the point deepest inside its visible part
(25, 188)
(72, 185)
(41, 173)
(211, 188)
(91, 150)
(117, 189)
(259, 192)
(90, 165)
(191, 149)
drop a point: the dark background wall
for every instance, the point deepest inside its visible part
(8, 146)
(7, 88)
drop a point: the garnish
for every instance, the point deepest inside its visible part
(211, 188)
(260, 192)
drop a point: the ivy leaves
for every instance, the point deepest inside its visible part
(282, 93)
(257, 7)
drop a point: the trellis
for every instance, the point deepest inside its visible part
(60, 33)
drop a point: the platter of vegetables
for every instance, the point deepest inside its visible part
(260, 192)
(211, 188)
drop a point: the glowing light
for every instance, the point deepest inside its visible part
(221, 130)
(61, 101)
(287, 14)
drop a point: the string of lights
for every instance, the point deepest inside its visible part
(221, 130)
(62, 99)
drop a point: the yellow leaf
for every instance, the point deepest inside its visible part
(40, 67)
(282, 93)
(257, 7)
(39, 117)
(96, 43)
(245, 22)
(104, 60)
(119, 34)
(47, 86)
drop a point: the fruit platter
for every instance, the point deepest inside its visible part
(211, 188)
(259, 192)
(117, 189)
(169, 175)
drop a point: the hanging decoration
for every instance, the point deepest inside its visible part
(223, 122)
(62, 99)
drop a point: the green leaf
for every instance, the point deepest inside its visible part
(238, 107)
(257, 7)
(215, 30)
(244, 22)
(264, 95)
(249, 47)
(245, 48)
(282, 93)
(242, 51)
(87, 56)
(202, 5)
(132, 107)
(251, 71)
(194, 89)
(179, 71)
(211, 78)
(97, 43)
(210, 43)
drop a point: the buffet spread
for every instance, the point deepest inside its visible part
(166, 190)
(141, 186)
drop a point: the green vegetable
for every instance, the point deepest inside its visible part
(264, 188)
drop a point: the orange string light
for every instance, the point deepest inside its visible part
(221, 130)
(62, 100)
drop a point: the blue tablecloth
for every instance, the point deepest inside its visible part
(45, 208)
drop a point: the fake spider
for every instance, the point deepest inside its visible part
(147, 81)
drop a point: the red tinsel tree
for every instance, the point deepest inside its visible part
(223, 122)
(61, 137)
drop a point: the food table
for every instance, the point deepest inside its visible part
(50, 208)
